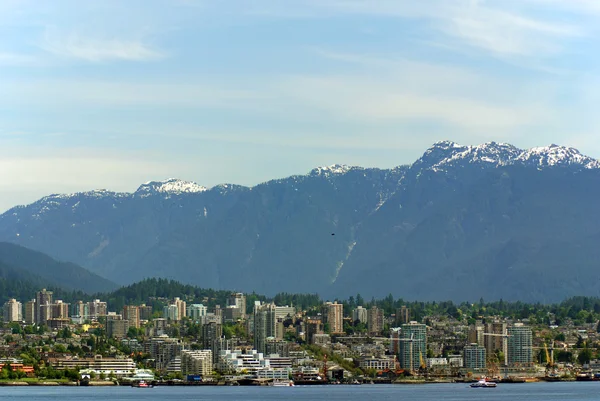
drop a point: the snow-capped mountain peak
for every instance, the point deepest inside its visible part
(170, 186)
(334, 169)
(555, 155)
(447, 154)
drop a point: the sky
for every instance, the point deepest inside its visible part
(111, 94)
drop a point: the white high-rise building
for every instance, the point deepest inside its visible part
(13, 311)
(359, 314)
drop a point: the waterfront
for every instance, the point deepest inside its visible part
(449, 392)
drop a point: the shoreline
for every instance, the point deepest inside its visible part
(183, 384)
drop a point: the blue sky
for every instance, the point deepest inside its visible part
(110, 94)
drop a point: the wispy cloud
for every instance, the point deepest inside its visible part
(93, 49)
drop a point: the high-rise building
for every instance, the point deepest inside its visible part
(96, 308)
(359, 314)
(313, 326)
(117, 327)
(335, 317)
(13, 311)
(520, 352)
(211, 334)
(43, 299)
(402, 315)
(476, 334)
(132, 314)
(145, 312)
(181, 308)
(265, 324)
(413, 345)
(395, 335)
(196, 311)
(164, 350)
(30, 312)
(238, 300)
(374, 321)
(60, 310)
(495, 338)
(474, 356)
(171, 312)
(80, 309)
(196, 362)
(284, 312)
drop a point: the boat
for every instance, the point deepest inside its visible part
(142, 384)
(282, 383)
(483, 383)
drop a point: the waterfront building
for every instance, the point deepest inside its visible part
(196, 362)
(520, 342)
(377, 363)
(164, 350)
(434, 362)
(265, 325)
(413, 345)
(118, 367)
(474, 356)
(211, 334)
(13, 311)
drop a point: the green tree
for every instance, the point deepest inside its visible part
(585, 355)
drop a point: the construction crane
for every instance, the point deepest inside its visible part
(422, 361)
(504, 345)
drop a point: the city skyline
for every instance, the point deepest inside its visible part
(112, 94)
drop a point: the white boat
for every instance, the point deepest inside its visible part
(282, 383)
(483, 383)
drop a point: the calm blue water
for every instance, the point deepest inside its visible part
(434, 392)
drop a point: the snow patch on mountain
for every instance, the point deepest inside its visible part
(334, 169)
(170, 186)
(555, 155)
(447, 154)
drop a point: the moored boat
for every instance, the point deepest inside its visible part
(282, 383)
(141, 384)
(483, 383)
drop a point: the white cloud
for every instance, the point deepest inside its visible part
(97, 49)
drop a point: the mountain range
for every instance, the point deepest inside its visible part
(460, 223)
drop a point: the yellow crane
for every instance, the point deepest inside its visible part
(422, 361)
(549, 360)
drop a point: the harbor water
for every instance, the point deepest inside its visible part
(563, 391)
